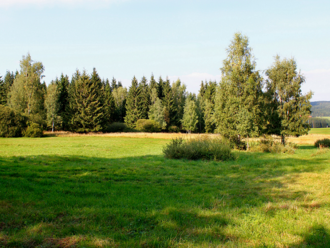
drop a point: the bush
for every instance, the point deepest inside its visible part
(150, 126)
(322, 143)
(237, 143)
(11, 124)
(34, 130)
(200, 148)
(272, 146)
(116, 127)
(174, 129)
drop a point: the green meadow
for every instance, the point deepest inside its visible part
(122, 192)
(325, 131)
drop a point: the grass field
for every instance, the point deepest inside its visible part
(325, 131)
(120, 192)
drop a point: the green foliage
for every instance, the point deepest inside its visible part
(119, 94)
(237, 105)
(116, 127)
(157, 110)
(179, 98)
(34, 130)
(27, 92)
(109, 104)
(145, 125)
(290, 109)
(174, 129)
(320, 108)
(190, 117)
(133, 110)
(89, 114)
(52, 105)
(268, 144)
(322, 143)
(319, 122)
(143, 99)
(11, 124)
(199, 148)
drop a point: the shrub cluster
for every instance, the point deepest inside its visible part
(272, 146)
(34, 130)
(322, 143)
(199, 148)
(146, 125)
(11, 124)
(174, 129)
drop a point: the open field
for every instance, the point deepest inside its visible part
(103, 191)
(325, 131)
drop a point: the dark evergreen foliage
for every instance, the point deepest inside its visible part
(132, 104)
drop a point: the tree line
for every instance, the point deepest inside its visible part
(243, 104)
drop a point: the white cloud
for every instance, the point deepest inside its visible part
(9, 3)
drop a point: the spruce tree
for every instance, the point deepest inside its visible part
(5, 87)
(168, 102)
(63, 99)
(143, 98)
(190, 117)
(52, 104)
(132, 104)
(109, 104)
(3, 95)
(179, 98)
(288, 110)
(237, 104)
(89, 115)
(156, 109)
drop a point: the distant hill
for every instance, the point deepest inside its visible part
(320, 109)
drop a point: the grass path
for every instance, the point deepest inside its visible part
(121, 192)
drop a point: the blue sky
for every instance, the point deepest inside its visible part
(179, 39)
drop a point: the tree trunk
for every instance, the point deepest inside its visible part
(283, 139)
(53, 126)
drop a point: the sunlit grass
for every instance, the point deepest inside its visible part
(89, 191)
(325, 131)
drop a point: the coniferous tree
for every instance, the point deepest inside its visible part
(179, 98)
(132, 104)
(156, 109)
(143, 99)
(120, 95)
(109, 104)
(160, 88)
(190, 117)
(237, 105)
(208, 100)
(168, 102)
(71, 108)
(89, 115)
(63, 99)
(288, 110)
(5, 86)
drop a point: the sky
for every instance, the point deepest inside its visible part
(184, 39)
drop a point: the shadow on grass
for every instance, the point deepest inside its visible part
(316, 237)
(145, 201)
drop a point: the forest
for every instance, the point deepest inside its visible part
(242, 104)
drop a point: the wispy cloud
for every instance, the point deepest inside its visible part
(9, 3)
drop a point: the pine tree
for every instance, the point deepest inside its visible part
(288, 109)
(208, 106)
(3, 95)
(237, 103)
(160, 89)
(190, 117)
(113, 84)
(132, 105)
(89, 115)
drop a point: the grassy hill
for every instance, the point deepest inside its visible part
(321, 108)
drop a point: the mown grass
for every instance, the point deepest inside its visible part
(325, 131)
(122, 192)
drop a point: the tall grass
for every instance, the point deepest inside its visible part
(201, 147)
